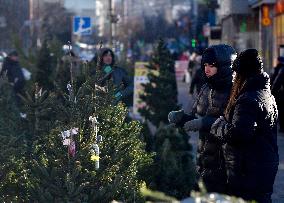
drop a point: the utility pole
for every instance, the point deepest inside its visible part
(110, 21)
(123, 11)
(195, 17)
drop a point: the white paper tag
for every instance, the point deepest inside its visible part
(74, 131)
(66, 142)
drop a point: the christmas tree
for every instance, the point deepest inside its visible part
(74, 174)
(173, 167)
(161, 92)
(44, 73)
(78, 147)
(173, 171)
(12, 172)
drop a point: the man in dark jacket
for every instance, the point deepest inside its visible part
(117, 74)
(280, 64)
(249, 131)
(278, 90)
(14, 72)
(210, 104)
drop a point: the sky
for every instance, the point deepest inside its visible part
(80, 4)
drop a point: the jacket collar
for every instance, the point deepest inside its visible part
(257, 82)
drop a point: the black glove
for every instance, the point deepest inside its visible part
(193, 125)
(219, 128)
(179, 118)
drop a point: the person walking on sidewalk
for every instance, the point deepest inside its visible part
(278, 90)
(210, 104)
(12, 68)
(248, 131)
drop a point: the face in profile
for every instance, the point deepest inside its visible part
(107, 59)
(210, 70)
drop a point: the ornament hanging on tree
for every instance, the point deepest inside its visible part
(71, 93)
(74, 131)
(38, 93)
(68, 140)
(67, 135)
(95, 126)
(72, 149)
(95, 151)
(103, 89)
(94, 120)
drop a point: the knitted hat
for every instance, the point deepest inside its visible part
(13, 53)
(209, 56)
(248, 63)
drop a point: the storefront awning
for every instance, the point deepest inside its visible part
(258, 3)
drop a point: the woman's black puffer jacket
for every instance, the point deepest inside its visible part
(250, 138)
(210, 104)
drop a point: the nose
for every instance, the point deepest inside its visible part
(207, 69)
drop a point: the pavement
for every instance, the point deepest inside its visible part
(278, 195)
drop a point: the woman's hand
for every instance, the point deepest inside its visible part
(193, 125)
(218, 125)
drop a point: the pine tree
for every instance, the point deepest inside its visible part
(44, 73)
(54, 174)
(12, 173)
(63, 75)
(173, 169)
(161, 92)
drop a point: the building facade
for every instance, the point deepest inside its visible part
(278, 31)
(13, 17)
(233, 17)
(250, 24)
(264, 12)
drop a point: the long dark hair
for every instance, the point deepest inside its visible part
(247, 64)
(238, 85)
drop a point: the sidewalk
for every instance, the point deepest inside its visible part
(278, 195)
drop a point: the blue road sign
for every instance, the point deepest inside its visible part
(82, 25)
